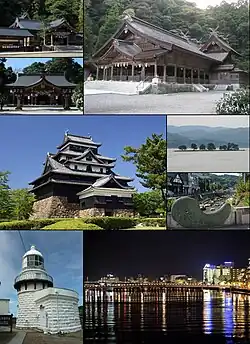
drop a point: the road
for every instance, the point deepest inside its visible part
(175, 103)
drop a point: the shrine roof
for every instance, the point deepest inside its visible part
(218, 56)
(36, 25)
(25, 80)
(127, 48)
(165, 38)
(14, 32)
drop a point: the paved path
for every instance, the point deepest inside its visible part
(52, 111)
(175, 103)
(19, 338)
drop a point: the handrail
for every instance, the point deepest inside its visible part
(142, 82)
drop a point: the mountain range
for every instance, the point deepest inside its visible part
(186, 135)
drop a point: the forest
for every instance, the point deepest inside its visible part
(43, 10)
(231, 21)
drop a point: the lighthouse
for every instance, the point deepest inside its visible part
(40, 305)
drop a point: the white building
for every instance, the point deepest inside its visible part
(40, 305)
(4, 306)
(213, 274)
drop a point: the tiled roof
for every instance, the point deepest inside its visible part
(36, 25)
(224, 67)
(127, 48)
(98, 157)
(25, 80)
(218, 56)
(79, 139)
(15, 32)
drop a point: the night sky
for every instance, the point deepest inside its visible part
(155, 253)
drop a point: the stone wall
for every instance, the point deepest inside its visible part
(101, 212)
(26, 311)
(55, 206)
(62, 314)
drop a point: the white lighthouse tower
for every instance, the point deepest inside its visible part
(40, 305)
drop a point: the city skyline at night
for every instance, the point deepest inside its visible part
(127, 254)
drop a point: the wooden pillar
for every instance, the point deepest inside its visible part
(155, 68)
(198, 70)
(121, 73)
(97, 72)
(67, 42)
(111, 73)
(175, 72)
(19, 105)
(133, 71)
(51, 39)
(204, 77)
(66, 102)
(184, 75)
(192, 76)
(143, 73)
(164, 73)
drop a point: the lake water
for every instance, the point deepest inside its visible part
(213, 317)
(217, 161)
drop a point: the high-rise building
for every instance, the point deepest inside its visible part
(223, 273)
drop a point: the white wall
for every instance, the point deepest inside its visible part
(4, 306)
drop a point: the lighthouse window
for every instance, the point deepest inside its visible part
(25, 286)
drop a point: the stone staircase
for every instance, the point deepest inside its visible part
(221, 87)
(200, 88)
(113, 87)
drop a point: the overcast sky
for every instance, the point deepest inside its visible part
(206, 3)
(230, 121)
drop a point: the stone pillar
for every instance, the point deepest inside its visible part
(164, 73)
(204, 78)
(111, 73)
(133, 71)
(175, 73)
(97, 72)
(184, 75)
(198, 70)
(192, 76)
(51, 39)
(19, 105)
(67, 42)
(143, 73)
(121, 73)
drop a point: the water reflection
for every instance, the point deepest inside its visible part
(208, 313)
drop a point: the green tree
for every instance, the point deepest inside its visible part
(182, 147)
(77, 96)
(22, 201)
(211, 146)
(5, 200)
(202, 147)
(148, 203)
(194, 146)
(6, 76)
(150, 160)
(35, 68)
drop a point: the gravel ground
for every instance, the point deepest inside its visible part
(176, 103)
(40, 338)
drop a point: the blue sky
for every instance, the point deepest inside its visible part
(25, 141)
(20, 63)
(63, 256)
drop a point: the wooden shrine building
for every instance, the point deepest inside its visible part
(79, 181)
(40, 89)
(140, 51)
(31, 35)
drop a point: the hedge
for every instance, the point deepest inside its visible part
(112, 222)
(72, 224)
(27, 224)
(154, 221)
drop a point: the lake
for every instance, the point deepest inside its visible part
(215, 161)
(211, 317)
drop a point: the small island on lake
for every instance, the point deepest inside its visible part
(209, 147)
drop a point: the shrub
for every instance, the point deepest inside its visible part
(152, 222)
(112, 222)
(72, 224)
(27, 224)
(234, 103)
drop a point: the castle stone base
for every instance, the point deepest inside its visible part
(55, 206)
(101, 212)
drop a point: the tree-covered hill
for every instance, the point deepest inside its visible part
(102, 17)
(45, 10)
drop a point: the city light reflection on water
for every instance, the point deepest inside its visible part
(212, 313)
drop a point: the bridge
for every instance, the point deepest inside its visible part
(151, 291)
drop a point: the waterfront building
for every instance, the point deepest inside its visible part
(219, 274)
(78, 181)
(40, 305)
(141, 51)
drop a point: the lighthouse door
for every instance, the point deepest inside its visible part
(42, 317)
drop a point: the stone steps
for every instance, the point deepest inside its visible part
(115, 87)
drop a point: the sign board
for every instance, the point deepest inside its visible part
(6, 320)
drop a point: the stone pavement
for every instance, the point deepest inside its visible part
(175, 103)
(40, 110)
(40, 338)
(19, 338)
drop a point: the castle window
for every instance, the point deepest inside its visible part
(75, 167)
(101, 170)
(34, 285)
(89, 158)
(88, 169)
